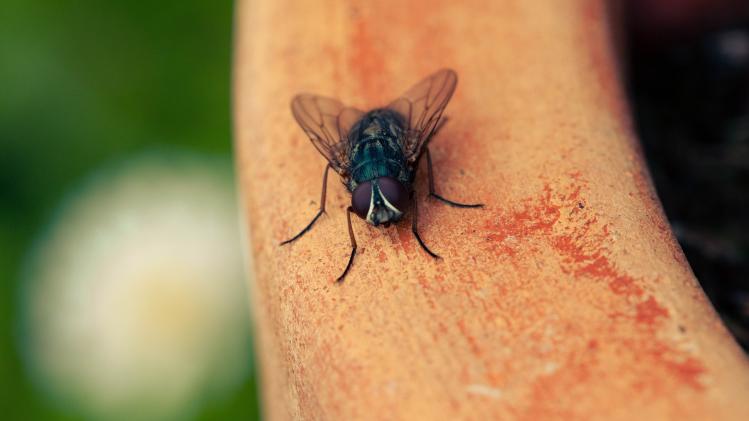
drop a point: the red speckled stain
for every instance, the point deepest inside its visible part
(686, 369)
(472, 343)
(649, 311)
(535, 217)
(625, 285)
(595, 39)
(405, 237)
(422, 280)
(562, 219)
(367, 62)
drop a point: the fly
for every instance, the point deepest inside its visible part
(376, 153)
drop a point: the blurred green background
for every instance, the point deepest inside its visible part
(82, 85)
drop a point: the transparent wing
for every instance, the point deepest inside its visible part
(346, 120)
(422, 107)
(327, 123)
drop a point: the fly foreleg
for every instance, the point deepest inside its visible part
(432, 193)
(353, 245)
(414, 219)
(319, 212)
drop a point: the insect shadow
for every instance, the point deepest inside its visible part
(377, 153)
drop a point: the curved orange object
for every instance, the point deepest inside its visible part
(567, 297)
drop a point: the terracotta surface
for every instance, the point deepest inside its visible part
(566, 297)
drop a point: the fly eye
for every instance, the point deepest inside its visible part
(361, 198)
(394, 192)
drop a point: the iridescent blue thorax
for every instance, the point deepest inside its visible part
(377, 149)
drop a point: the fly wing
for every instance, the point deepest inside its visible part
(346, 120)
(327, 123)
(422, 107)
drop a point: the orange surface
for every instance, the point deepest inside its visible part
(566, 297)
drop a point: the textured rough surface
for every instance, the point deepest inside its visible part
(566, 297)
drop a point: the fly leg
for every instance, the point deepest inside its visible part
(435, 195)
(416, 232)
(353, 245)
(438, 126)
(319, 212)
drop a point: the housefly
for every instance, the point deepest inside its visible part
(376, 153)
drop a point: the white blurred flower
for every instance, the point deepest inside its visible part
(135, 305)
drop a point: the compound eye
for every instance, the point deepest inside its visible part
(394, 192)
(361, 198)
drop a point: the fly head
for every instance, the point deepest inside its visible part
(380, 201)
